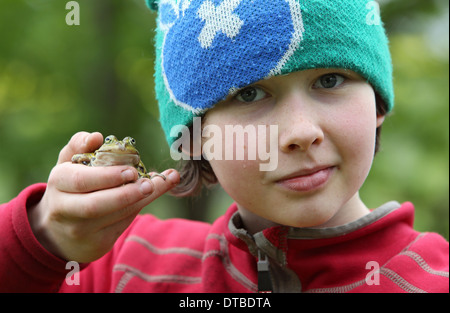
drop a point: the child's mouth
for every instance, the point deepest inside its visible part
(307, 181)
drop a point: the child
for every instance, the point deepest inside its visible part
(320, 73)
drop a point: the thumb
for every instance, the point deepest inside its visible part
(81, 142)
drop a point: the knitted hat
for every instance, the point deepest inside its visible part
(206, 49)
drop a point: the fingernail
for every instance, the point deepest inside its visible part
(128, 175)
(173, 177)
(146, 188)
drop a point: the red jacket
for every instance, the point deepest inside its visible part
(377, 253)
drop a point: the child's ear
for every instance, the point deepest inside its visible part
(189, 144)
(193, 146)
(380, 119)
(193, 153)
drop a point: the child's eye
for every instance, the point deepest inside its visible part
(251, 94)
(329, 81)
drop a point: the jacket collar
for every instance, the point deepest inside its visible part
(273, 241)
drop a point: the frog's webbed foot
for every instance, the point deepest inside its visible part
(82, 158)
(150, 175)
(153, 174)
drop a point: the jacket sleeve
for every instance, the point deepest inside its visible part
(25, 266)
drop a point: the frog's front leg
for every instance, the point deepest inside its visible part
(142, 172)
(83, 158)
(153, 174)
(150, 175)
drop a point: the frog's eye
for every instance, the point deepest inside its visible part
(129, 140)
(108, 139)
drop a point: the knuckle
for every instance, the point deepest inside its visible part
(126, 197)
(62, 153)
(90, 210)
(160, 186)
(52, 178)
(78, 137)
(76, 231)
(127, 212)
(79, 181)
(77, 140)
(72, 146)
(58, 176)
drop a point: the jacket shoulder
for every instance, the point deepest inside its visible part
(423, 266)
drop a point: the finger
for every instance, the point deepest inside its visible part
(159, 187)
(81, 142)
(97, 204)
(78, 178)
(115, 204)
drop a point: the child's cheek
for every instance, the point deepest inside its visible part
(358, 132)
(237, 178)
(238, 167)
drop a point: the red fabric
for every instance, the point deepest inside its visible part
(337, 264)
(24, 264)
(186, 256)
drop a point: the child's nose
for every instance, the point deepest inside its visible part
(300, 128)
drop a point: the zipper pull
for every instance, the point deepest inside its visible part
(264, 281)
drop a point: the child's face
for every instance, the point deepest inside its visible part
(326, 122)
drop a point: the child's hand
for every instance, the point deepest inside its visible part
(85, 209)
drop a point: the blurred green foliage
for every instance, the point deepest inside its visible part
(57, 79)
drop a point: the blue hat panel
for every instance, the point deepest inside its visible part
(214, 46)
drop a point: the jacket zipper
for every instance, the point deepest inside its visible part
(264, 281)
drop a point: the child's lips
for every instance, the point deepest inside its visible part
(308, 179)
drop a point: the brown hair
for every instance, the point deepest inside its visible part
(194, 174)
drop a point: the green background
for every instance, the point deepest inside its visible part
(57, 79)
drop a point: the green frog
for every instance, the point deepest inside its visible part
(116, 152)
